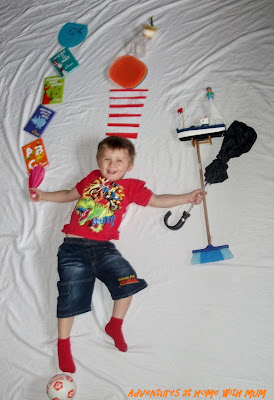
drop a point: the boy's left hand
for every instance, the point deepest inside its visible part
(197, 196)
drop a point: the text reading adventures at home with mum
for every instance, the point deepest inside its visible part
(206, 393)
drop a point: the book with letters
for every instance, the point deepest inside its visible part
(35, 153)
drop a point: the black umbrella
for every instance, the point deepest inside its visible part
(238, 139)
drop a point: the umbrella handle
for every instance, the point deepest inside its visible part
(179, 224)
(184, 217)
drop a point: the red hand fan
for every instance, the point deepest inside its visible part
(36, 176)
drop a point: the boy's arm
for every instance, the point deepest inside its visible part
(172, 200)
(61, 196)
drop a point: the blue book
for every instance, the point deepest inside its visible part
(39, 120)
(64, 62)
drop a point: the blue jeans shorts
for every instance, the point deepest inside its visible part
(80, 261)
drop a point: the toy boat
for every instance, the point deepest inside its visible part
(202, 131)
(208, 126)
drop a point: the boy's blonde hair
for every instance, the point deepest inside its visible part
(116, 143)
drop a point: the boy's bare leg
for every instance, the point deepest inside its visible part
(114, 327)
(64, 327)
(120, 307)
(66, 363)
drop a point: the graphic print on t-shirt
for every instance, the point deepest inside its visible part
(98, 204)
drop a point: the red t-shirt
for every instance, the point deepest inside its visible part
(99, 212)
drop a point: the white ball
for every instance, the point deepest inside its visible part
(61, 387)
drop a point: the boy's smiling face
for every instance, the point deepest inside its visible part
(114, 164)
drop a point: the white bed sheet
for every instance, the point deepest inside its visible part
(195, 327)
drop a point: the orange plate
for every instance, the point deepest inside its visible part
(128, 71)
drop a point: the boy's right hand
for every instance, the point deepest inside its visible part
(61, 196)
(35, 194)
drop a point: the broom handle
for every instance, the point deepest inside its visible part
(203, 185)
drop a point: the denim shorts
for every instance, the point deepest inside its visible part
(80, 261)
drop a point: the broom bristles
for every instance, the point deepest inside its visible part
(211, 254)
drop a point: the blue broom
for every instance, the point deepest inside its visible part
(209, 253)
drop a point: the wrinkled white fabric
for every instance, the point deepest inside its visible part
(195, 327)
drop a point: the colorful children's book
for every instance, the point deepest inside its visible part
(35, 153)
(53, 90)
(39, 120)
(64, 62)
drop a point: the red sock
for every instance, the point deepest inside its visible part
(114, 329)
(66, 363)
